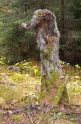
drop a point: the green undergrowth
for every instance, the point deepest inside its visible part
(72, 83)
(20, 82)
(55, 118)
(16, 118)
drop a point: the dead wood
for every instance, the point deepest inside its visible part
(45, 25)
(72, 105)
(6, 82)
(30, 118)
(30, 107)
(66, 79)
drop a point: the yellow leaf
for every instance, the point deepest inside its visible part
(35, 71)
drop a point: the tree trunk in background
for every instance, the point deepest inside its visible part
(62, 4)
(44, 22)
(63, 39)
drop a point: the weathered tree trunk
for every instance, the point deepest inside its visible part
(44, 22)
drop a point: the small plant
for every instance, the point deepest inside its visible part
(42, 113)
(16, 118)
(77, 66)
(2, 61)
(2, 101)
(72, 119)
(62, 62)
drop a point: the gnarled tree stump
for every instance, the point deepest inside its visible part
(44, 23)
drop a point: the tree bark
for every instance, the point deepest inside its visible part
(44, 23)
(62, 4)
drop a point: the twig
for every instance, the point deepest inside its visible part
(67, 113)
(50, 109)
(72, 105)
(30, 118)
(28, 107)
(66, 79)
(47, 112)
(19, 110)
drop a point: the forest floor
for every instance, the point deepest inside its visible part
(20, 85)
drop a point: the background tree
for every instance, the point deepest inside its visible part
(13, 13)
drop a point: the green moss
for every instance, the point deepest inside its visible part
(16, 118)
(65, 95)
(50, 50)
(47, 84)
(54, 77)
(47, 54)
(1, 117)
(60, 93)
(39, 15)
(43, 86)
(42, 96)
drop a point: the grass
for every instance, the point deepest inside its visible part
(17, 85)
(16, 118)
(24, 87)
